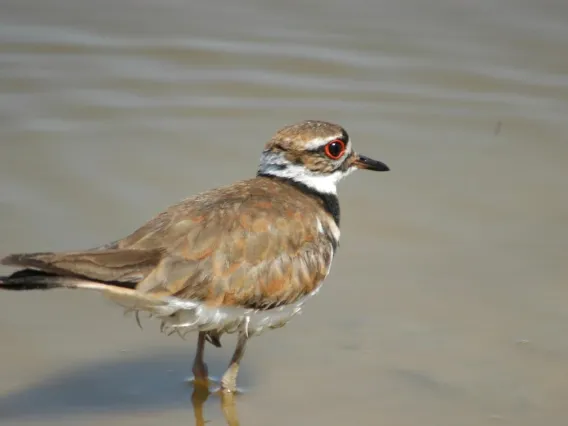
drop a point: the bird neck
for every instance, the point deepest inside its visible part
(329, 201)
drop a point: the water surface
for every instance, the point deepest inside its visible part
(447, 301)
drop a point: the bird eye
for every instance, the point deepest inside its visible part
(335, 149)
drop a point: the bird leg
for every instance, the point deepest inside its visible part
(229, 379)
(199, 369)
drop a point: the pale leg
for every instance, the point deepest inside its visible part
(229, 380)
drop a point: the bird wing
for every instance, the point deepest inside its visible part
(263, 249)
(111, 266)
(255, 244)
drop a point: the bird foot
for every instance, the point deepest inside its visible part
(213, 385)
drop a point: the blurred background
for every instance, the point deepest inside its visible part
(447, 301)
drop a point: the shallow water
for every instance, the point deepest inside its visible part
(447, 300)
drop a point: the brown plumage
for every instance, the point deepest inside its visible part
(229, 259)
(254, 244)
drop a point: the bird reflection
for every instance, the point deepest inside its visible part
(200, 395)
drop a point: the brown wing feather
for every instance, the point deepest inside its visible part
(258, 243)
(255, 244)
(257, 264)
(108, 265)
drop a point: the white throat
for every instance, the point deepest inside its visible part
(274, 165)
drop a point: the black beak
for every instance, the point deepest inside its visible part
(367, 163)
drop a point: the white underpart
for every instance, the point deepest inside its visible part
(320, 226)
(330, 223)
(329, 266)
(184, 316)
(334, 230)
(323, 183)
(326, 184)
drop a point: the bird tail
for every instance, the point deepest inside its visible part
(31, 279)
(102, 271)
(110, 271)
(122, 293)
(116, 277)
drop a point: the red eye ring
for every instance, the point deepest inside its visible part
(335, 149)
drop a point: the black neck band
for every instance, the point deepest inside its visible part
(330, 201)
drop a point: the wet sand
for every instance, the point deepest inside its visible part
(446, 304)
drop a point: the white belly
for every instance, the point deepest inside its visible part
(184, 316)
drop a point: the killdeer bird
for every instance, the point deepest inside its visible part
(242, 258)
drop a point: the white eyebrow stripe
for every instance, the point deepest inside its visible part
(317, 143)
(320, 142)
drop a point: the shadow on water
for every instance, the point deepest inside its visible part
(151, 383)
